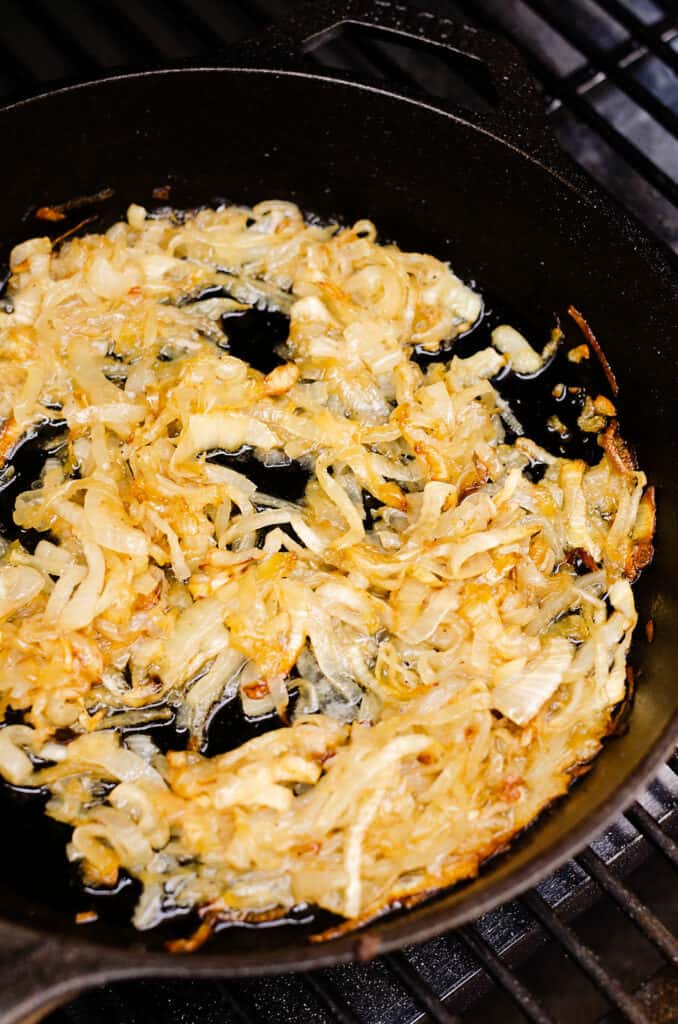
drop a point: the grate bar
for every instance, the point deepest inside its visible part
(328, 996)
(648, 923)
(68, 42)
(598, 58)
(261, 13)
(199, 25)
(206, 29)
(588, 76)
(138, 1004)
(645, 823)
(17, 69)
(420, 991)
(650, 36)
(559, 89)
(503, 976)
(120, 22)
(585, 958)
(235, 1007)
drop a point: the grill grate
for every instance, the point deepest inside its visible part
(616, 108)
(502, 976)
(608, 71)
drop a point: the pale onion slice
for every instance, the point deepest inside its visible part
(222, 430)
(19, 585)
(521, 696)
(15, 764)
(105, 519)
(521, 356)
(81, 608)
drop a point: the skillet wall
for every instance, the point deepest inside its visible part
(434, 184)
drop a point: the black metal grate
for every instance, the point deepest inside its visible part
(595, 941)
(609, 70)
(608, 67)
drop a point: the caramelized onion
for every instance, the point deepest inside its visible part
(442, 635)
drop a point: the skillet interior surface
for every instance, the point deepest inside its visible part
(434, 183)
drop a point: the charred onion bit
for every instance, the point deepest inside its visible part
(10, 434)
(72, 231)
(213, 915)
(370, 950)
(194, 942)
(642, 551)
(581, 561)
(617, 449)
(511, 788)
(255, 691)
(86, 917)
(57, 211)
(619, 718)
(479, 479)
(49, 213)
(595, 345)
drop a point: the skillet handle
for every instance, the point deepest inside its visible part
(37, 975)
(518, 116)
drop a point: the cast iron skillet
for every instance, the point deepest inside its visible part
(491, 192)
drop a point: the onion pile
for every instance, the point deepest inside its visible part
(453, 665)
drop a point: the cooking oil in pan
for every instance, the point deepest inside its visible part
(34, 851)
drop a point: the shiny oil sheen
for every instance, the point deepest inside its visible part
(40, 841)
(492, 194)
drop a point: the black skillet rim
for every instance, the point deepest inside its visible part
(431, 918)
